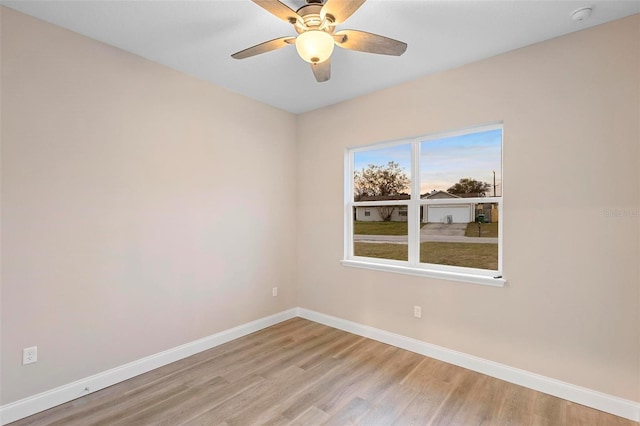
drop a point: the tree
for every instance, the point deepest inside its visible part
(470, 188)
(381, 181)
(377, 181)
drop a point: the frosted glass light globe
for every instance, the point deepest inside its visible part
(314, 46)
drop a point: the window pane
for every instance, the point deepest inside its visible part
(468, 165)
(382, 174)
(460, 235)
(380, 232)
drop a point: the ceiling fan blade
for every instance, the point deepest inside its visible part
(341, 9)
(265, 47)
(370, 43)
(322, 70)
(279, 9)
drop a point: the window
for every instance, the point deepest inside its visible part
(429, 206)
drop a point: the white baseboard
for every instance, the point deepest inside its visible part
(580, 395)
(45, 400)
(590, 398)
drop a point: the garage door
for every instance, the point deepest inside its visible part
(440, 213)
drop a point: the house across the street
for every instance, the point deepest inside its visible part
(376, 213)
(433, 213)
(446, 213)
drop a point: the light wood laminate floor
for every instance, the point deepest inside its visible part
(302, 373)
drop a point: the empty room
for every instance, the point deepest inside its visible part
(306, 212)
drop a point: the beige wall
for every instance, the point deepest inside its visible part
(129, 200)
(571, 307)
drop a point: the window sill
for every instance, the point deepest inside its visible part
(452, 276)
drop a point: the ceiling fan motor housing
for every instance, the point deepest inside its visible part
(313, 20)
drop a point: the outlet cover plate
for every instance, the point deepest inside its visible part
(29, 355)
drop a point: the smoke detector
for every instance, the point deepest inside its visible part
(581, 14)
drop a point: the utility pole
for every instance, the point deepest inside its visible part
(494, 183)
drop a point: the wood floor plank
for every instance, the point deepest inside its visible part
(390, 404)
(299, 372)
(459, 397)
(350, 413)
(289, 355)
(265, 408)
(351, 360)
(125, 406)
(549, 411)
(312, 416)
(517, 407)
(184, 406)
(430, 368)
(425, 405)
(219, 413)
(161, 410)
(338, 344)
(398, 364)
(282, 397)
(369, 361)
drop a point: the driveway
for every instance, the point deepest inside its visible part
(444, 229)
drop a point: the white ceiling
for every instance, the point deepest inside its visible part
(198, 37)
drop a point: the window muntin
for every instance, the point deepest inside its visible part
(434, 206)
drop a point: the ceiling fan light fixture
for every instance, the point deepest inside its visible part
(315, 23)
(315, 46)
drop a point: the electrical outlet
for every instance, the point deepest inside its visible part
(29, 355)
(274, 291)
(417, 311)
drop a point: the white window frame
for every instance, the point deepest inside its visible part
(413, 266)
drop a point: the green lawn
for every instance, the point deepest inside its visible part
(381, 228)
(381, 250)
(470, 255)
(489, 230)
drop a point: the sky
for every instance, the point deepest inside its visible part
(444, 161)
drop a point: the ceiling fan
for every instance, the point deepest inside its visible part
(315, 23)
